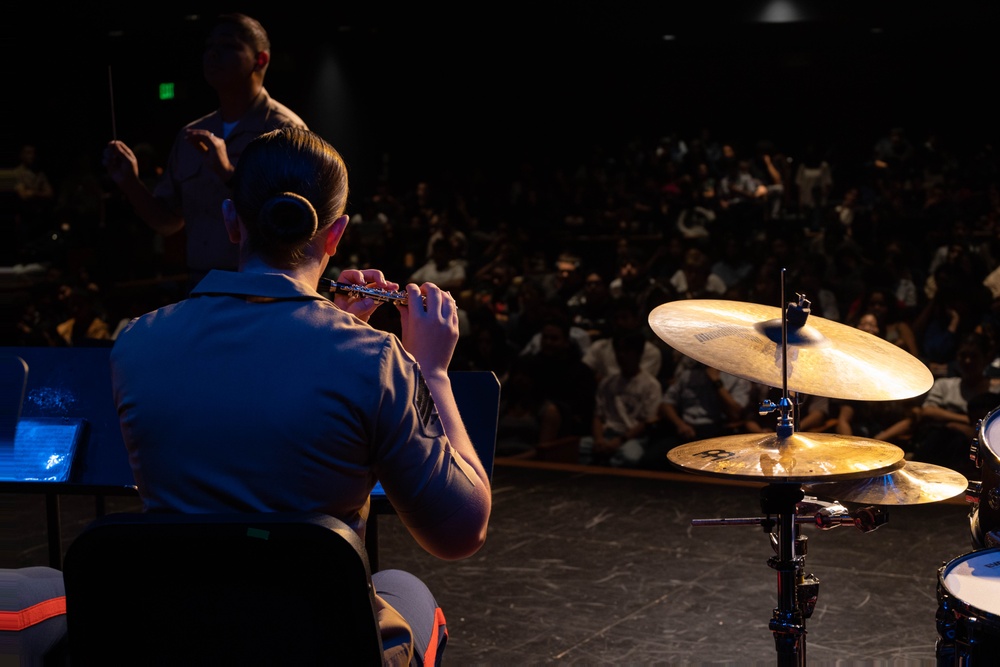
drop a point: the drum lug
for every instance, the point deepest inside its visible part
(973, 492)
(974, 453)
(992, 539)
(993, 499)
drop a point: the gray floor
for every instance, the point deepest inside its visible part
(599, 569)
(588, 568)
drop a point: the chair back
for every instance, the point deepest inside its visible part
(211, 589)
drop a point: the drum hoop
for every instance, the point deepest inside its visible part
(984, 427)
(959, 606)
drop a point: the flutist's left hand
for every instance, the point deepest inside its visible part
(214, 149)
(364, 307)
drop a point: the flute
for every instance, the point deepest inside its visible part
(362, 291)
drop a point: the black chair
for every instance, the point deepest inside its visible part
(214, 589)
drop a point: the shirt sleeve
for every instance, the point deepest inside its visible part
(673, 391)
(166, 188)
(738, 388)
(652, 400)
(936, 396)
(652, 359)
(414, 460)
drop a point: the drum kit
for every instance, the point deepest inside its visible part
(795, 351)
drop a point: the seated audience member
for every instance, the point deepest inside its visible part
(442, 269)
(872, 419)
(946, 318)
(626, 404)
(290, 401)
(485, 348)
(732, 266)
(601, 355)
(591, 308)
(578, 335)
(526, 419)
(703, 402)
(633, 282)
(882, 303)
(84, 326)
(695, 279)
(496, 289)
(941, 428)
(566, 282)
(563, 386)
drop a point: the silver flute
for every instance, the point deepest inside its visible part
(363, 291)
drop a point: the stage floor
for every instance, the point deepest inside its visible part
(584, 566)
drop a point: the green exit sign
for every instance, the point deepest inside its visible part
(166, 91)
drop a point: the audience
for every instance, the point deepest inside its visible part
(547, 259)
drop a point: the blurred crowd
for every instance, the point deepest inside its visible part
(557, 264)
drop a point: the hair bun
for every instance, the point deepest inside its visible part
(287, 219)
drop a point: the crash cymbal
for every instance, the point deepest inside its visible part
(825, 358)
(912, 484)
(801, 457)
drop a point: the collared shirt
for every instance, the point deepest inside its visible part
(696, 399)
(258, 394)
(191, 188)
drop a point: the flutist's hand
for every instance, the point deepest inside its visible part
(120, 161)
(362, 308)
(430, 331)
(214, 149)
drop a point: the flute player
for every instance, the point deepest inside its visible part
(258, 394)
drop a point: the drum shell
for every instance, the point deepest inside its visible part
(988, 505)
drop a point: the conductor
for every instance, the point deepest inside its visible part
(202, 159)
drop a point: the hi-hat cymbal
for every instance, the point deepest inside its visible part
(912, 484)
(800, 457)
(825, 358)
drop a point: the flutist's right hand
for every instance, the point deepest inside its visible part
(120, 161)
(430, 328)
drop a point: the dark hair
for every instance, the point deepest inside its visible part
(880, 321)
(628, 340)
(250, 31)
(288, 185)
(979, 342)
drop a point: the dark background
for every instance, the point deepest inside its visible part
(484, 86)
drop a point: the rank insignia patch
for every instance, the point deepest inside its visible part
(430, 422)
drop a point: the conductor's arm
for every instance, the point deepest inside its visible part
(123, 167)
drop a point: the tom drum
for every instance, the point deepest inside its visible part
(985, 514)
(968, 617)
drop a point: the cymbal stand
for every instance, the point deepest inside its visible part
(780, 502)
(788, 621)
(797, 590)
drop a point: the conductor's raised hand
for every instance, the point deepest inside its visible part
(214, 150)
(120, 162)
(362, 307)
(429, 325)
